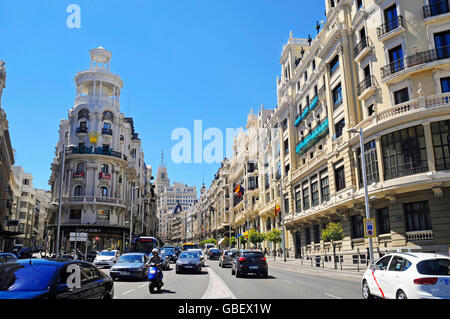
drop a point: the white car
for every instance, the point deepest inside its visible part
(106, 258)
(202, 255)
(408, 275)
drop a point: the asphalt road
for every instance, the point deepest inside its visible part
(284, 282)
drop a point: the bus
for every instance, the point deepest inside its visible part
(187, 246)
(144, 244)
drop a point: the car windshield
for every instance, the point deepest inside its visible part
(435, 267)
(230, 253)
(25, 277)
(131, 259)
(190, 254)
(107, 253)
(169, 250)
(214, 250)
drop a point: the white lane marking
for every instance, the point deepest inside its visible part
(286, 281)
(142, 286)
(333, 296)
(127, 292)
(217, 288)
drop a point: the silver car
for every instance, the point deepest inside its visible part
(227, 258)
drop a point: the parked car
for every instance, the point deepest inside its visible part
(199, 251)
(188, 260)
(226, 259)
(107, 258)
(170, 252)
(48, 278)
(408, 275)
(214, 253)
(131, 265)
(7, 258)
(249, 261)
(166, 262)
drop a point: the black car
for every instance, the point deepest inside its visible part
(214, 253)
(51, 278)
(249, 261)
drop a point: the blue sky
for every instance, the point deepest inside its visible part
(209, 60)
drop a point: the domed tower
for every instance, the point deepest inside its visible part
(104, 161)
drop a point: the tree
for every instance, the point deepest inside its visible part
(256, 237)
(333, 233)
(274, 236)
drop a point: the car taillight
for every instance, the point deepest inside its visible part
(263, 259)
(425, 281)
(242, 258)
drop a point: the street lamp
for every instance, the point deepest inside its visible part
(366, 193)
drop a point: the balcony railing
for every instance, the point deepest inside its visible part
(307, 110)
(98, 150)
(436, 9)
(310, 140)
(92, 199)
(78, 175)
(102, 175)
(420, 236)
(390, 26)
(107, 131)
(368, 82)
(82, 130)
(416, 59)
(360, 46)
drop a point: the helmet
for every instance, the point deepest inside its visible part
(155, 251)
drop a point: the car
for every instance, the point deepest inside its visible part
(408, 275)
(227, 258)
(249, 261)
(49, 279)
(199, 251)
(106, 258)
(91, 255)
(208, 246)
(188, 260)
(166, 261)
(170, 252)
(7, 258)
(214, 253)
(131, 265)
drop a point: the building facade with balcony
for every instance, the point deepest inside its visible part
(104, 172)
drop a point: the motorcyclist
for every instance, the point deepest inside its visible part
(155, 259)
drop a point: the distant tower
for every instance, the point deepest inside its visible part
(162, 178)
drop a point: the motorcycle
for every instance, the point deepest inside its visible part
(155, 277)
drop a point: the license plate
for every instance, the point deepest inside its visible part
(124, 273)
(253, 267)
(189, 266)
(153, 271)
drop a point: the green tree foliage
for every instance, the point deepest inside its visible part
(333, 232)
(274, 236)
(256, 237)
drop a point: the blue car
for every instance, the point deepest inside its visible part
(7, 258)
(49, 279)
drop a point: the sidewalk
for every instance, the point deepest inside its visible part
(296, 265)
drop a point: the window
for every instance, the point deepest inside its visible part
(298, 200)
(396, 59)
(370, 157)
(339, 128)
(75, 214)
(399, 263)
(26, 181)
(357, 226)
(442, 42)
(305, 195)
(316, 230)
(337, 96)
(88, 273)
(286, 147)
(417, 216)
(103, 215)
(383, 263)
(441, 140)
(390, 18)
(105, 168)
(445, 85)
(359, 4)
(80, 167)
(404, 153)
(334, 65)
(308, 235)
(370, 110)
(325, 189)
(401, 96)
(315, 193)
(78, 191)
(384, 226)
(104, 192)
(339, 175)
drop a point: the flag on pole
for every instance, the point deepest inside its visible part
(277, 209)
(239, 190)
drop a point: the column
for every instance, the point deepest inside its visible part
(380, 158)
(429, 144)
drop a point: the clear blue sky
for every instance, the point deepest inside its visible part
(209, 60)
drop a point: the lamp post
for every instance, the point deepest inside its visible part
(366, 194)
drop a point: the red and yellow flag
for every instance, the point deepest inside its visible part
(277, 209)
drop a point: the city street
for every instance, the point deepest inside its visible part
(284, 282)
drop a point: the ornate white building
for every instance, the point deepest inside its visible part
(104, 163)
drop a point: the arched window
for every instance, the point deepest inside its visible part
(105, 168)
(78, 191)
(80, 167)
(83, 114)
(104, 192)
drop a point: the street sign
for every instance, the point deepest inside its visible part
(78, 236)
(369, 228)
